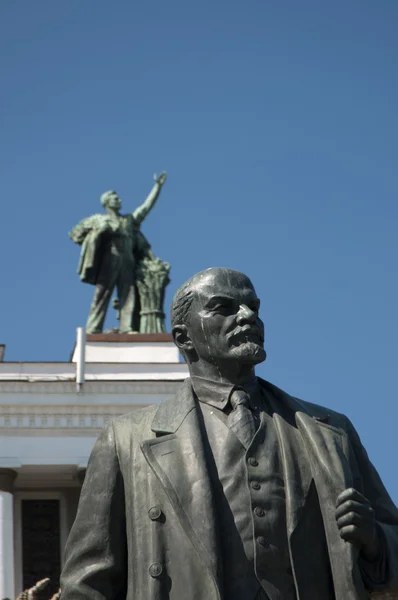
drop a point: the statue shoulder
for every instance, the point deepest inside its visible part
(317, 411)
(93, 220)
(135, 425)
(129, 217)
(326, 415)
(80, 230)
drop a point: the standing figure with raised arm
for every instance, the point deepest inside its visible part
(112, 245)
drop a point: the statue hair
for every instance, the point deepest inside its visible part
(181, 305)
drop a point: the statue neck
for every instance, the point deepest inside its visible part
(112, 212)
(231, 372)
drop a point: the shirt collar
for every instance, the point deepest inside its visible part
(217, 393)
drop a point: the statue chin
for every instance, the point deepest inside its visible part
(249, 353)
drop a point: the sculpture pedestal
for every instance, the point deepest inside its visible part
(152, 348)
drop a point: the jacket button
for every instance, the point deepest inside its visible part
(253, 462)
(154, 513)
(259, 512)
(155, 570)
(255, 485)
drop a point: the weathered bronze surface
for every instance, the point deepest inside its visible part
(182, 501)
(115, 253)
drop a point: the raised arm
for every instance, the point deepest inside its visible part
(141, 212)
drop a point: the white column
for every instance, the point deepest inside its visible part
(7, 572)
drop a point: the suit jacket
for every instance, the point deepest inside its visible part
(146, 527)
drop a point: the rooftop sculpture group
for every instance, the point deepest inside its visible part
(116, 254)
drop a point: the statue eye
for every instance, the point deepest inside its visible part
(222, 307)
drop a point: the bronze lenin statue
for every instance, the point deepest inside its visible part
(232, 489)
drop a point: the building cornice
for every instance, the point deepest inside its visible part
(62, 420)
(90, 387)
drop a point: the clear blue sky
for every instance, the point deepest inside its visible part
(277, 123)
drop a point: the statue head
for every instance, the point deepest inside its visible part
(215, 320)
(111, 200)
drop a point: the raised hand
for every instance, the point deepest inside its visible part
(161, 178)
(357, 523)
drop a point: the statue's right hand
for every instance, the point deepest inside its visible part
(161, 178)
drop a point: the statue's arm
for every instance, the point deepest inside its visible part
(141, 212)
(381, 573)
(96, 551)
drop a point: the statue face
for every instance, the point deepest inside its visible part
(113, 201)
(224, 323)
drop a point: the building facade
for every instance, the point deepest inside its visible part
(50, 417)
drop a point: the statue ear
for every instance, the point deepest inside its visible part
(182, 339)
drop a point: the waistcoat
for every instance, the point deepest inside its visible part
(249, 494)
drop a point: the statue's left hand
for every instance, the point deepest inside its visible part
(357, 523)
(161, 178)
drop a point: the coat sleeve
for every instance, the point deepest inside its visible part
(382, 573)
(96, 551)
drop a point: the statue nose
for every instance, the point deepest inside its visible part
(245, 315)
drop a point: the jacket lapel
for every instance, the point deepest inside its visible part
(178, 459)
(326, 448)
(297, 473)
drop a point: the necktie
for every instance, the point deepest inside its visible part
(241, 419)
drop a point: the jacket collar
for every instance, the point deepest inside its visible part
(172, 412)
